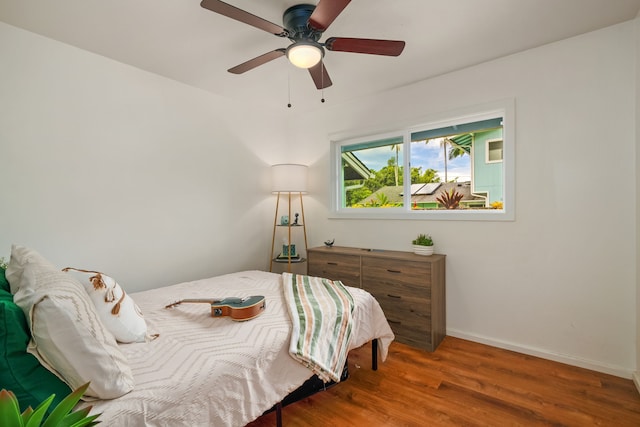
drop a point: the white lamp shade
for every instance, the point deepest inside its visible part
(289, 177)
(304, 55)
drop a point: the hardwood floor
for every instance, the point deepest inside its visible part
(468, 384)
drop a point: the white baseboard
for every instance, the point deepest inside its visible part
(636, 380)
(618, 371)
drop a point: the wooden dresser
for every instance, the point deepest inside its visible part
(410, 288)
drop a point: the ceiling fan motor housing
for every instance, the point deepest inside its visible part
(295, 20)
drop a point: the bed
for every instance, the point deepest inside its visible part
(206, 371)
(149, 365)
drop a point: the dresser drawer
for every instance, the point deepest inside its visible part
(409, 318)
(396, 278)
(412, 312)
(413, 336)
(396, 272)
(345, 268)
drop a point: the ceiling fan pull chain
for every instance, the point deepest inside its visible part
(289, 88)
(322, 80)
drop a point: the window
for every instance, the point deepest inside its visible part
(458, 166)
(494, 151)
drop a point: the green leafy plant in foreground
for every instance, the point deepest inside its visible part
(61, 416)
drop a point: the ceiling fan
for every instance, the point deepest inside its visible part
(304, 25)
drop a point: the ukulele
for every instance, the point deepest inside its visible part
(239, 309)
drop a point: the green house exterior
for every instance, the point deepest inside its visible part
(487, 175)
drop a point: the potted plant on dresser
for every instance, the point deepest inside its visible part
(423, 245)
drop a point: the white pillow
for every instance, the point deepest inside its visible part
(118, 311)
(68, 337)
(20, 256)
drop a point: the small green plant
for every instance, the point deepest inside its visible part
(423, 240)
(3, 263)
(450, 200)
(61, 416)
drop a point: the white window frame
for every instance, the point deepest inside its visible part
(487, 157)
(502, 108)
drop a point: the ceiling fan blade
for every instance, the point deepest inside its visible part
(320, 76)
(325, 13)
(370, 46)
(257, 61)
(243, 16)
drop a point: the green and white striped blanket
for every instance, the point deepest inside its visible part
(322, 315)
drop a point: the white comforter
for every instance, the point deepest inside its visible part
(205, 371)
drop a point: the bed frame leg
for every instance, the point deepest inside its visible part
(279, 414)
(374, 354)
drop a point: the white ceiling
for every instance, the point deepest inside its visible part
(181, 40)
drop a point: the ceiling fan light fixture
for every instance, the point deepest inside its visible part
(304, 54)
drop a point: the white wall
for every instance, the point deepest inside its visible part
(559, 281)
(111, 168)
(636, 374)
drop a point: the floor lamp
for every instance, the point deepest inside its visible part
(290, 180)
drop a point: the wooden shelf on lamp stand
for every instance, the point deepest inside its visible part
(291, 264)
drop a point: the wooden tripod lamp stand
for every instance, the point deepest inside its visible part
(289, 181)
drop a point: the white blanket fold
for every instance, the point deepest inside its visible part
(321, 312)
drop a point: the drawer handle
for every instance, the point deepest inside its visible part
(396, 322)
(393, 296)
(332, 263)
(393, 271)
